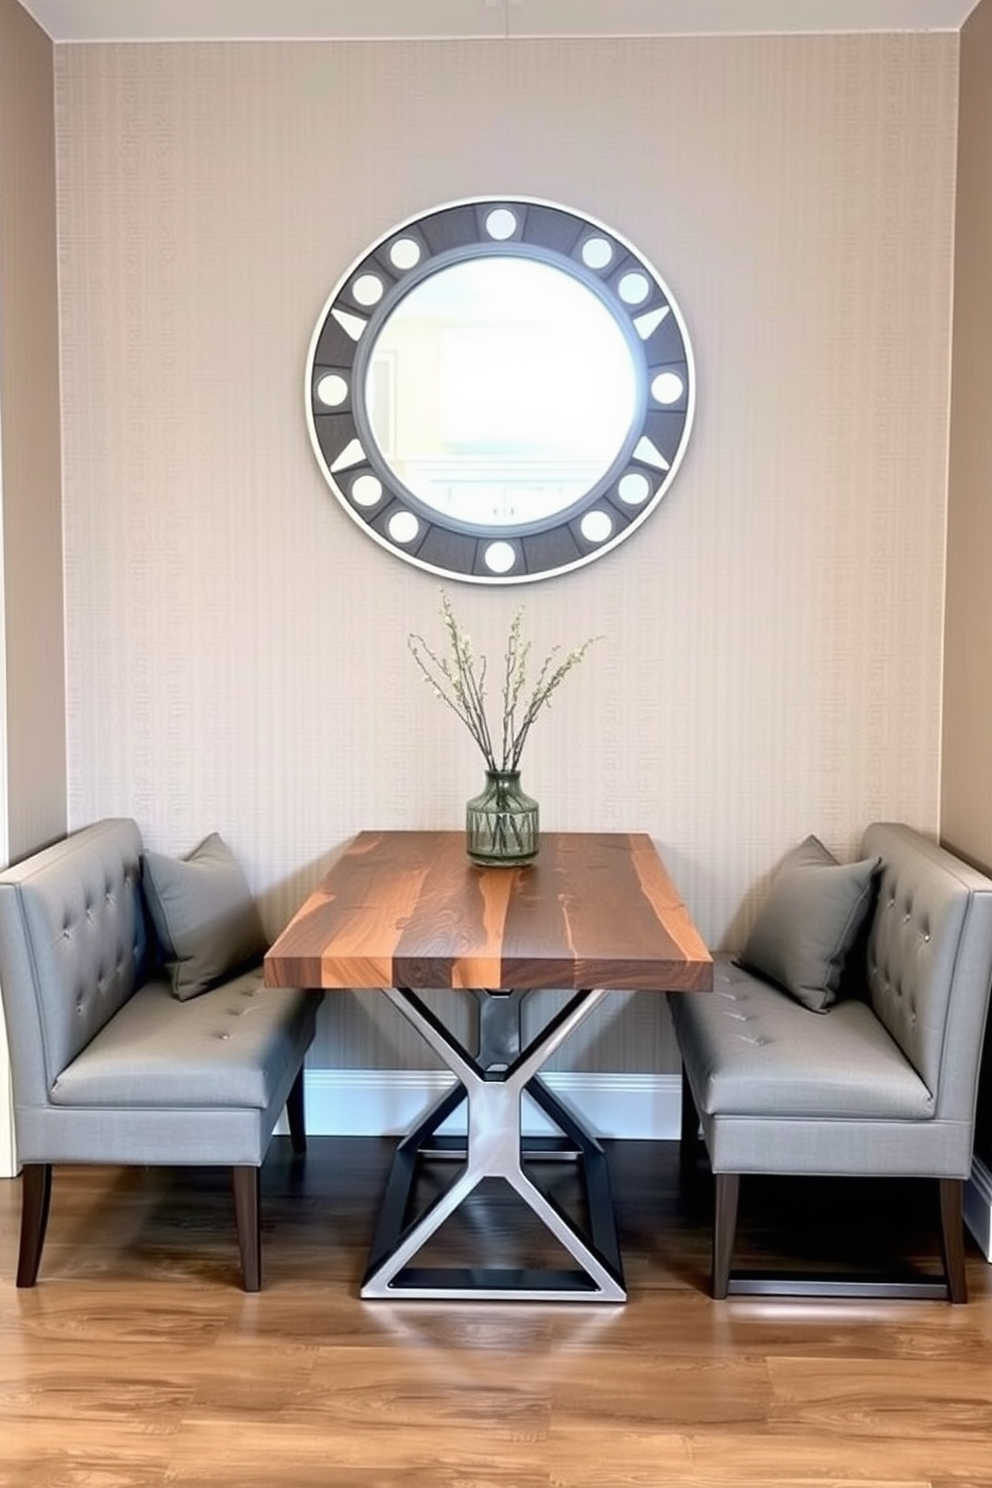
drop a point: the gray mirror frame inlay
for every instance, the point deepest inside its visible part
(340, 429)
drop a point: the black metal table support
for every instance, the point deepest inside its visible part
(492, 1084)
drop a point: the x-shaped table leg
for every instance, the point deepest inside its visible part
(493, 1085)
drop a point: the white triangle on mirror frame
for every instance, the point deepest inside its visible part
(646, 325)
(647, 451)
(352, 454)
(353, 324)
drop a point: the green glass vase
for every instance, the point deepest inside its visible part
(501, 824)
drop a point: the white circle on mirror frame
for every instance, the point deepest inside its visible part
(500, 557)
(366, 490)
(404, 254)
(596, 526)
(667, 388)
(597, 253)
(332, 390)
(634, 488)
(367, 289)
(634, 288)
(501, 224)
(403, 527)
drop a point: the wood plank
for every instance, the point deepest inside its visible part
(137, 1360)
(409, 909)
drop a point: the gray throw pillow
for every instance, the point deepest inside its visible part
(808, 923)
(204, 914)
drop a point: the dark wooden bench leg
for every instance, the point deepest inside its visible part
(952, 1238)
(36, 1194)
(247, 1211)
(296, 1117)
(724, 1229)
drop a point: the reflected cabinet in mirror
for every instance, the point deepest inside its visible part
(500, 390)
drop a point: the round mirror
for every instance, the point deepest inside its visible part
(499, 391)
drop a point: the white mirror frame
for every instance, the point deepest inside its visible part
(341, 431)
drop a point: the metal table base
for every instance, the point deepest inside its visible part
(492, 1083)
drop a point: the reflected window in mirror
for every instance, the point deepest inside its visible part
(498, 391)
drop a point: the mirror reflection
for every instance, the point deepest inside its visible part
(500, 390)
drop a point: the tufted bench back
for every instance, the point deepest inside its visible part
(931, 929)
(73, 922)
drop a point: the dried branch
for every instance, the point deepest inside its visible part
(460, 683)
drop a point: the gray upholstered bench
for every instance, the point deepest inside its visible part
(849, 1041)
(134, 1045)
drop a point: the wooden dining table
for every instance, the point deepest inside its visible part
(406, 912)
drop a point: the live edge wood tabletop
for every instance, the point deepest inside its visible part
(408, 909)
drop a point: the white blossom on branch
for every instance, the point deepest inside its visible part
(459, 680)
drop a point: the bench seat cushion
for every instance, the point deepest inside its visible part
(232, 1046)
(750, 1050)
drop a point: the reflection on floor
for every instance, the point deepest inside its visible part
(137, 1360)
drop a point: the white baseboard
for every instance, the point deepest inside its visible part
(373, 1103)
(363, 1103)
(366, 1103)
(378, 1103)
(978, 1206)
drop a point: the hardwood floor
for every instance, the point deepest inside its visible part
(138, 1361)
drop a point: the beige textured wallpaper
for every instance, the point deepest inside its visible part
(966, 794)
(29, 420)
(771, 662)
(966, 800)
(32, 668)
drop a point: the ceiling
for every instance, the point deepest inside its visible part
(173, 20)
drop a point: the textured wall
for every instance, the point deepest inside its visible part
(29, 420)
(772, 654)
(966, 794)
(32, 669)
